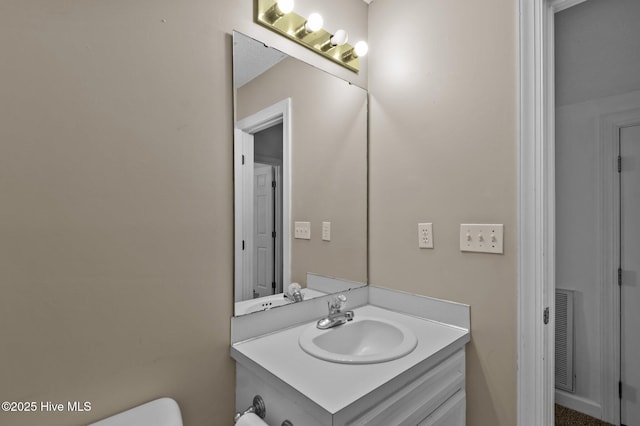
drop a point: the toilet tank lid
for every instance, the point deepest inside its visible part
(160, 412)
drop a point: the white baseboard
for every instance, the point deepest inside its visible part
(578, 403)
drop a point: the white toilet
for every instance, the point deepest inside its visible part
(160, 412)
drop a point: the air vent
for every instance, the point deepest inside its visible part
(564, 340)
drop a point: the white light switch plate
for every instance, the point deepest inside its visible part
(483, 238)
(326, 231)
(302, 230)
(425, 235)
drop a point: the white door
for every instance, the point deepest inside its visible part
(263, 228)
(630, 265)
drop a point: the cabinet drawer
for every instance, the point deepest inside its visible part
(451, 413)
(419, 398)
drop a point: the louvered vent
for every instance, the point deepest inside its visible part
(564, 340)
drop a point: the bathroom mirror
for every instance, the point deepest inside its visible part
(300, 179)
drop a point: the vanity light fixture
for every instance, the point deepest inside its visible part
(278, 16)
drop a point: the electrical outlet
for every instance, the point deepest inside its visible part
(425, 235)
(326, 231)
(302, 230)
(481, 238)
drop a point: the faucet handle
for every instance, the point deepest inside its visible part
(338, 303)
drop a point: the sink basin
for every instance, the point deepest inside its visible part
(365, 340)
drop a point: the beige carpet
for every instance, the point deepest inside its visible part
(567, 417)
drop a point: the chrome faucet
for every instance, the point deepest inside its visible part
(295, 296)
(336, 316)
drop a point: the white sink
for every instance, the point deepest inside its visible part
(365, 340)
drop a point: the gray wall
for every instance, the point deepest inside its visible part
(443, 150)
(116, 180)
(116, 218)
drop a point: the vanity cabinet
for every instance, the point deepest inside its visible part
(423, 395)
(425, 386)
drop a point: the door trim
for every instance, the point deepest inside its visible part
(535, 233)
(536, 208)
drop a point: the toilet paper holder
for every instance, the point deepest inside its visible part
(258, 408)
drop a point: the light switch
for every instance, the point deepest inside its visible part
(481, 238)
(302, 230)
(326, 231)
(425, 235)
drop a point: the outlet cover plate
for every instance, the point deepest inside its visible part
(326, 231)
(425, 235)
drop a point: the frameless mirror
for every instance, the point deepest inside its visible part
(300, 179)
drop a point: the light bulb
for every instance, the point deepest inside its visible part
(314, 22)
(361, 48)
(285, 6)
(278, 10)
(339, 38)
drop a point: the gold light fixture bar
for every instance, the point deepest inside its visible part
(291, 25)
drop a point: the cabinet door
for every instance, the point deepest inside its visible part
(417, 399)
(451, 413)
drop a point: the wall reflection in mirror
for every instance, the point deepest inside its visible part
(300, 172)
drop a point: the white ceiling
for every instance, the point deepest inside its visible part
(251, 58)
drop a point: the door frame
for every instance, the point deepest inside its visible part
(536, 210)
(277, 113)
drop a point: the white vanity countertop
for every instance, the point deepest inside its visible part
(335, 386)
